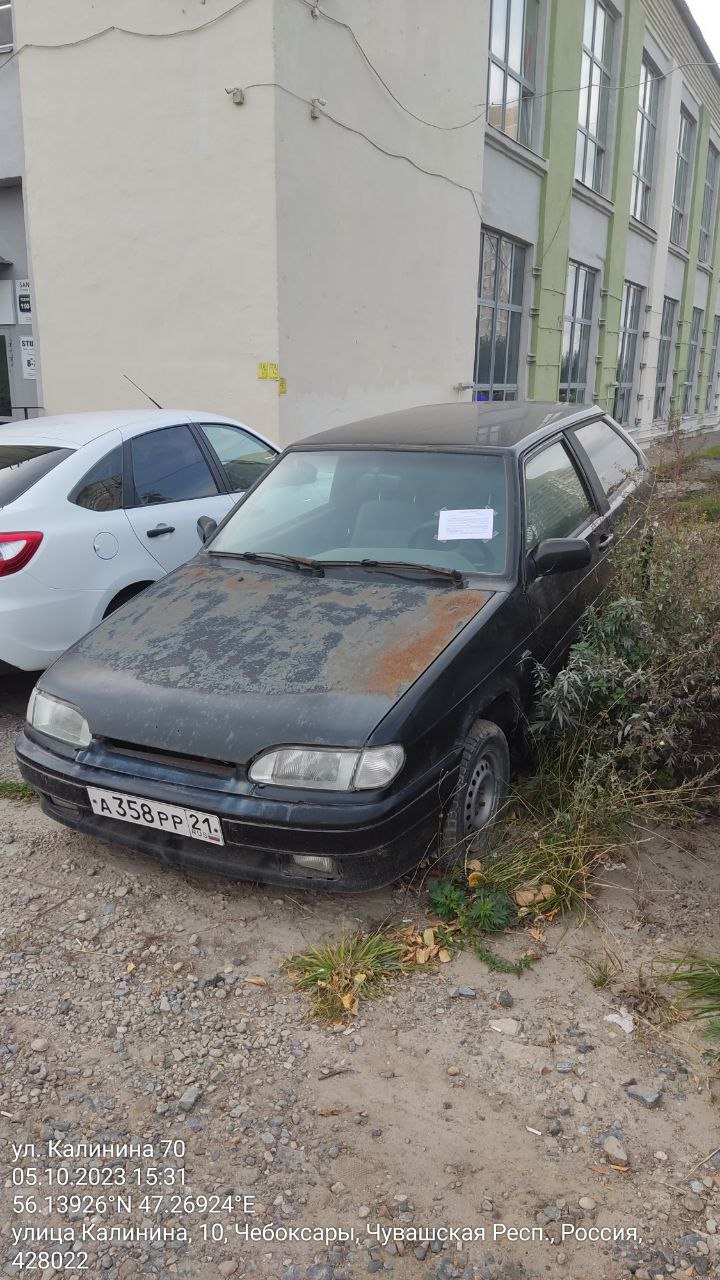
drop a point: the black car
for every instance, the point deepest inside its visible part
(326, 693)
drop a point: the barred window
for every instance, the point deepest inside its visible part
(627, 355)
(576, 333)
(692, 363)
(664, 373)
(500, 296)
(711, 393)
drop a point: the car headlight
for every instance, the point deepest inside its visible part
(327, 768)
(58, 719)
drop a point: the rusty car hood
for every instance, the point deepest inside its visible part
(223, 659)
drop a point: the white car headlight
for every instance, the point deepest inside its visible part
(327, 768)
(58, 719)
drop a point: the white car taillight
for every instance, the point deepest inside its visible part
(16, 549)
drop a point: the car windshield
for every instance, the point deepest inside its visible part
(22, 465)
(448, 510)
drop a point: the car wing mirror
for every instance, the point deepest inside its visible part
(559, 555)
(206, 527)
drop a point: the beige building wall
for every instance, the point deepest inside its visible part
(378, 261)
(184, 239)
(152, 222)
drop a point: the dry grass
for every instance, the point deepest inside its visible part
(339, 974)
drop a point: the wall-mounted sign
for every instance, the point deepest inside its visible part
(24, 303)
(27, 355)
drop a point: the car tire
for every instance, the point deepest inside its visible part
(480, 793)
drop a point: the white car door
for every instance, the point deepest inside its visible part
(172, 484)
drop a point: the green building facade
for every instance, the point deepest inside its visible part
(600, 211)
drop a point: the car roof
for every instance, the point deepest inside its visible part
(72, 430)
(504, 426)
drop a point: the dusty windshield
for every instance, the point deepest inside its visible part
(447, 510)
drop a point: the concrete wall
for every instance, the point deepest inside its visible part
(151, 204)
(378, 261)
(183, 239)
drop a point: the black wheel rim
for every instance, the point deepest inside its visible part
(481, 793)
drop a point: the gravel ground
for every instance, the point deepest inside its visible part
(143, 1004)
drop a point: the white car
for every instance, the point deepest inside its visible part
(95, 506)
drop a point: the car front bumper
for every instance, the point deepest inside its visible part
(371, 843)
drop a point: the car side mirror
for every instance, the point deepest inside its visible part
(559, 555)
(206, 527)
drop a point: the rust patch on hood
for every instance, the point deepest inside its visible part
(248, 631)
(398, 664)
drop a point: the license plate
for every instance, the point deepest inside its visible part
(161, 817)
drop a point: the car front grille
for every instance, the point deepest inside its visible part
(171, 759)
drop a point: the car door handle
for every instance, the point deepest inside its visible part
(159, 530)
(606, 541)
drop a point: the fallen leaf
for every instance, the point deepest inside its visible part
(359, 979)
(350, 1002)
(429, 938)
(620, 1168)
(443, 956)
(546, 892)
(474, 865)
(537, 933)
(420, 955)
(257, 982)
(130, 967)
(474, 879)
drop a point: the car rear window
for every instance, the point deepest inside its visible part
(22, 465)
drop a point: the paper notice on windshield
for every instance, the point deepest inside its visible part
(473, 523)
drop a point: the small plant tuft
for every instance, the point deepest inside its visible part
(10, 790)
(698, 977)
(339, 974)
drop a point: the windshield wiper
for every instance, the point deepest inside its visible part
(401, 567)
(280, 558)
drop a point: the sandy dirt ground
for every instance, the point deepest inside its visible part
(143, 1004)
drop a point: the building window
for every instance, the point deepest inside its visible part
(667, 331)
(711, 392)
(6, 27)
(645, 130)
(511, 75)
(576, 333)
(627, 354)
(688, 406)
(683, 169)
(594, 94)
(497, 348)
(707, 219)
